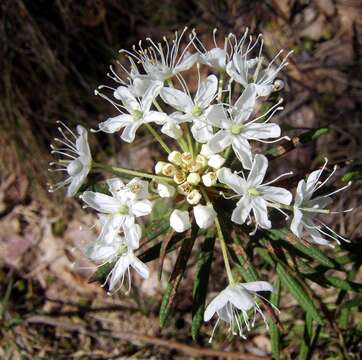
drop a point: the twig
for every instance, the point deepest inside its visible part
(135, 337)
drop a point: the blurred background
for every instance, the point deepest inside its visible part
(53, 54)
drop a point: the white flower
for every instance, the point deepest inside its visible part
(180, 220)
(307, 208)
(165, 190)
(233, 303)
(162, 64)
(255, 196)
(193, 110)
(121, 208)
(139, 112)
(236, 130)
(204, 215)
(78, 160)
(251, 71)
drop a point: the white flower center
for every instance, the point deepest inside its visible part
(137, 114)
(253, 191)
(123, 210)
(236, 129)
(196, 111)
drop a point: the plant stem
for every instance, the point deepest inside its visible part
(221, 86)
(119, 170)
(158, 138)
(189, 140)
(222, 242)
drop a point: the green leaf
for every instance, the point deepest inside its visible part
(273, 327)
(296, 141)
(306, 343)
(298, 292)
(101, 273)
(344, 284)
(201, 283)
(246, 268)
(177, 273)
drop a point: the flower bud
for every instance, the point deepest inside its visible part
(169, 170)
(175, 158)
(278, 85)
(185, 188)
(216, 161)
(201, 160)
(179, 177)
(205, 151)
(204, 215)
(180, 220)
(193, 178)
(194, 197)
(165, 191)
(209, 179)
(172, 130)
(159, 166)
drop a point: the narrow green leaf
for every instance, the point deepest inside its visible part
(246, 268)
(344, 284)
(298, 292)
(101, 273)
(177, 273)
(306, 342)
(201, 283)
(273, 327)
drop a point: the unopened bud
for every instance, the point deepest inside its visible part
(193, 178)
(159, 166)
(175, 158)
(201, 160)
(180, 220)
(209, 179)
(216, 161)
(165, 190)
(194, 197)
(169, 170)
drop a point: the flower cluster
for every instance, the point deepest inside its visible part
(209, 157)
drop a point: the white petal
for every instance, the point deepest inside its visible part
(260, 211)
(234, 181)
(206, 92)
(220, 141)
(256, 286)
(76, 183)
(242, 151)
(201, 131)
(300, 193)
(140, 267)
(116, 123)
(140, 86)
(177, 99)
(216, 161)
(128, 99)
(180, 220)
(320, 202)
(245, 105)
(264, 90)
(262, 131)
(115, 185)
(315, 235)
(186, 63)
(204, 215)
(216, 115)
(129, 131)
(101, 202)
(215, 58)
(258, 170)
(118, 271)
(172, 130)
(276, 194)
(240, 298)
(242, 210)
(82, 142)
(101, 252)
(141, 208)
(133, 235)
(151, 93)
(296, 226)
(216, 304)
(311, 183)
(157, 117)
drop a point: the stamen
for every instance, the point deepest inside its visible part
(277, 178)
